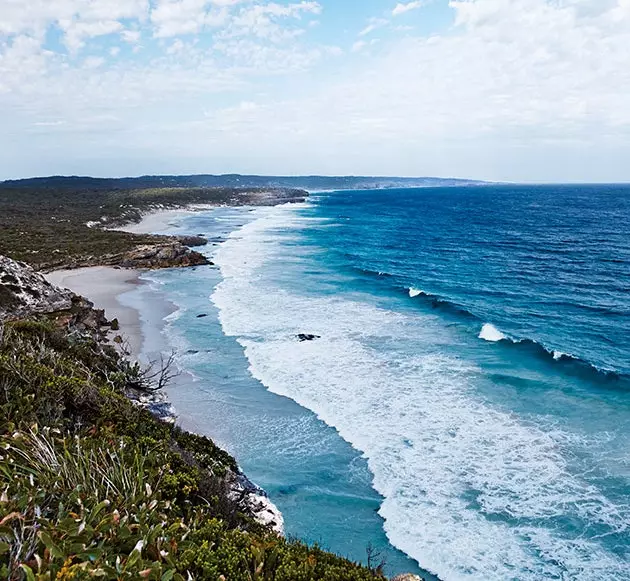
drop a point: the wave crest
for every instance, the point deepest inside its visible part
(415, 292)
(490, 333)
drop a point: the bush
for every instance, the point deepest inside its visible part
(92, 486)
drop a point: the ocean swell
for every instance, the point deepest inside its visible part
(437, 302)
(569, 362)
(469, 491)
(489, 332)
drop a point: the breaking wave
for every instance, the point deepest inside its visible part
(471, 491)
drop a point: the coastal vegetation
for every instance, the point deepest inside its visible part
(67, 222)
(94, 486)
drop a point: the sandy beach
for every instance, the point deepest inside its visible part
(160, 221)
(103, 285)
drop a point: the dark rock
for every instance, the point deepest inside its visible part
(168, 255)
(202, 316)
(307, 337)
(192, 240)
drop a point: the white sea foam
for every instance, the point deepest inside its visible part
(490, 333)
(467, 487)
(415, 292)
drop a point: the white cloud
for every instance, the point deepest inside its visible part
(131, 36)
(360, 45)
(77, 19)
(374, 24)
(176, 17)
(403, 7)
(512, 91)
(512, 84)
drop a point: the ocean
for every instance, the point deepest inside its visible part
(463, 407)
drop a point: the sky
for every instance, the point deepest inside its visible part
(508, 90)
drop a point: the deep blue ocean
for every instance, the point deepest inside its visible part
(465, 407)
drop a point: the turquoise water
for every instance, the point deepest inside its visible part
(466, 406)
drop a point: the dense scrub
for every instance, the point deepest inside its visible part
(92, 486)
(44, 222)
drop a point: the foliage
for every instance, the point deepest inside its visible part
(45, 221)
(92, 486)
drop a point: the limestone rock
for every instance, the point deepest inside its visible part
(24, 292)
(254, 501)
(192, 241)
(407, 577)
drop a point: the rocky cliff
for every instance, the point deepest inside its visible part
(24, 292)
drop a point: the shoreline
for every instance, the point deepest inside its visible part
(105, 286)
(160, 220)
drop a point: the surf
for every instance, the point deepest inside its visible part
(453, 470)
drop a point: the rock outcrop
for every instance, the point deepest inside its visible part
(25, 292)
(302, 337)
(254, 501)
(407, 577)
(192, 240)
(167, 255)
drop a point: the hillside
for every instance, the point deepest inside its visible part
(93, 485)
(235, 181)
(61, 222)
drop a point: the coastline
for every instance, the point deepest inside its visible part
(105, 286)
(161, 220)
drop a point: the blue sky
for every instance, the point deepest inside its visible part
(534, 90)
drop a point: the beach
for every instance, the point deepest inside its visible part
(163, 220)
(104, 285)
(142, 313)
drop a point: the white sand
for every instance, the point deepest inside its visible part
(103, 285)
(161, 221)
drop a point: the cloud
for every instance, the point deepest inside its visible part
(526, 90)
(374, 24)
(403, 7)
(176, 17)
(78, 20)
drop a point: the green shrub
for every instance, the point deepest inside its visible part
(92, 486)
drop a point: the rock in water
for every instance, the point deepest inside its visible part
(407, 577)
(307, 337)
